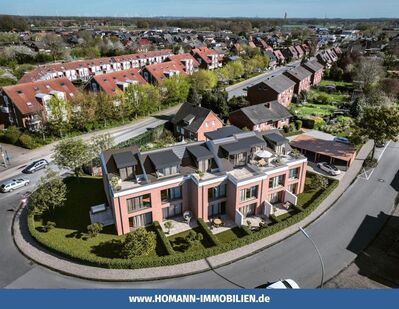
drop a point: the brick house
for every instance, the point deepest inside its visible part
(279, 55)
(224, 177)
(26, 105)
(193, 122)
(208, 58)
(190, 64)
(279, 88)
(316, 69)
(158, 72)
(290, 53)
(301, 77)
(261, 117)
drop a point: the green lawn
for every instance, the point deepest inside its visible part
(179, 243)
(313, 110)
(308, 196)
(230, 235)
(324, 83)
(69, 236)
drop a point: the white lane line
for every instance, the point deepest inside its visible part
(385, 148)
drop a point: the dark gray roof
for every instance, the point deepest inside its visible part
(243, 144)
(187, 109)
(223, 132)
(313, 66)
(299, 73)
(279, 83)
(124, 159)
(260, 113)
(277, 139)
(200, 152)
(164, 158)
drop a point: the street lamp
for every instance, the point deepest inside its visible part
(318, 253)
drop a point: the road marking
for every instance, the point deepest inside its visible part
(365, 174)
(386, 146)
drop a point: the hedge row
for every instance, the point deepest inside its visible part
(207, 232)
(179, 258)
(165, 241)
(246, 229)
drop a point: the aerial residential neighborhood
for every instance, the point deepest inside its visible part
(185, 152)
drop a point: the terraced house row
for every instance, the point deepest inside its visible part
(241, 175)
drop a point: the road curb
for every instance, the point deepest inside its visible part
(36, 252)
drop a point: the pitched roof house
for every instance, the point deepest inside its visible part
(157, 73)
(26, 105)
(301, 77)
(116, 82)
(261, 117)
(316, 69)
(194, 121)
(208, 58)
(190, 64)
(279, 88)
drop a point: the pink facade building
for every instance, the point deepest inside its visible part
(219, 177)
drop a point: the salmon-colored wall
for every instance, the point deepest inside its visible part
(207, 126)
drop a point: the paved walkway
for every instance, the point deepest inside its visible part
(28, 246)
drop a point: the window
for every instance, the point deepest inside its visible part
(216, 209)
(217, 192)
(138, 203)
(171, 170)
(140, 220)
(292, 188)
(293, 173)
(203, 165)
(276, 198)
(172, 211)
(171, 194)
(274, 182)
(249, 193)
(239, 159)
(248, 210)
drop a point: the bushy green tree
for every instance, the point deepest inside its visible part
(203, 80)
(176, 90)
(94, 229)
(138, 243)
(50, 194)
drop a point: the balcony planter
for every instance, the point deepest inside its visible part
(115, 183)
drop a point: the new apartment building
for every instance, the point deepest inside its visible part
(243, 175)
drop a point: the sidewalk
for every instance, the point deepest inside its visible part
(19, 160)
(29, 247)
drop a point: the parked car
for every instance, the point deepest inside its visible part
(329, 168)
(283, 284)
(13, 184)
(380, 144)
(343, 140)
(35, 166)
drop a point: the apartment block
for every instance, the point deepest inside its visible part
(247, 174)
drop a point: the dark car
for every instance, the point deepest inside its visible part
(380, 144)
(35, 166)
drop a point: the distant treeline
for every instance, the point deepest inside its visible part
(236, 25)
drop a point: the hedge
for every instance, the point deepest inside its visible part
(246, 230)
(161, 236)
(179, 258)
(207, 232)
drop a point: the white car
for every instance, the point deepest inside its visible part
(329, 168)
(283, 284)
(13, 184)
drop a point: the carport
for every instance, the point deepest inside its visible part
(320, 150)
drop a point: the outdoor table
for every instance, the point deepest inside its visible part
(217, 222)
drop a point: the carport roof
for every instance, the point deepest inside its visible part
(328, 148)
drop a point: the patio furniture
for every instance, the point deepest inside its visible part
(217, 222)
(262, 162)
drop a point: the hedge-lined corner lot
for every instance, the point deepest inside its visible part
(69, 238)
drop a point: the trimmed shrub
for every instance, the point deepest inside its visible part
(298, 124)
(286, 128)
(308, 123)
(246, 229)
(162, 237)
(292, 127)
(207, 232)
(138, 243)
(94, 229)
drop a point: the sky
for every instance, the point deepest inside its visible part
(205, 8)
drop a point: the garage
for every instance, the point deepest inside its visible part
(320, 150)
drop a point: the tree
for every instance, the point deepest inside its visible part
(203, 80)
(104, 107)
(100, 143)
(368, 71)
(237, 103)
(50, 194)
(71, 154)
(194, 97)
(390, 86)
(168, 225)
(138, 243)
(216, 101)
(57, 116)
(177, 89)
(318, 182)
(56, 44)
(379, 123)
(142, 99)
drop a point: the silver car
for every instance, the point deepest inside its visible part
(13, 184)
(329, 168)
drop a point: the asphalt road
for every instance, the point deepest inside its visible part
(340, 233)
(238, 89)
